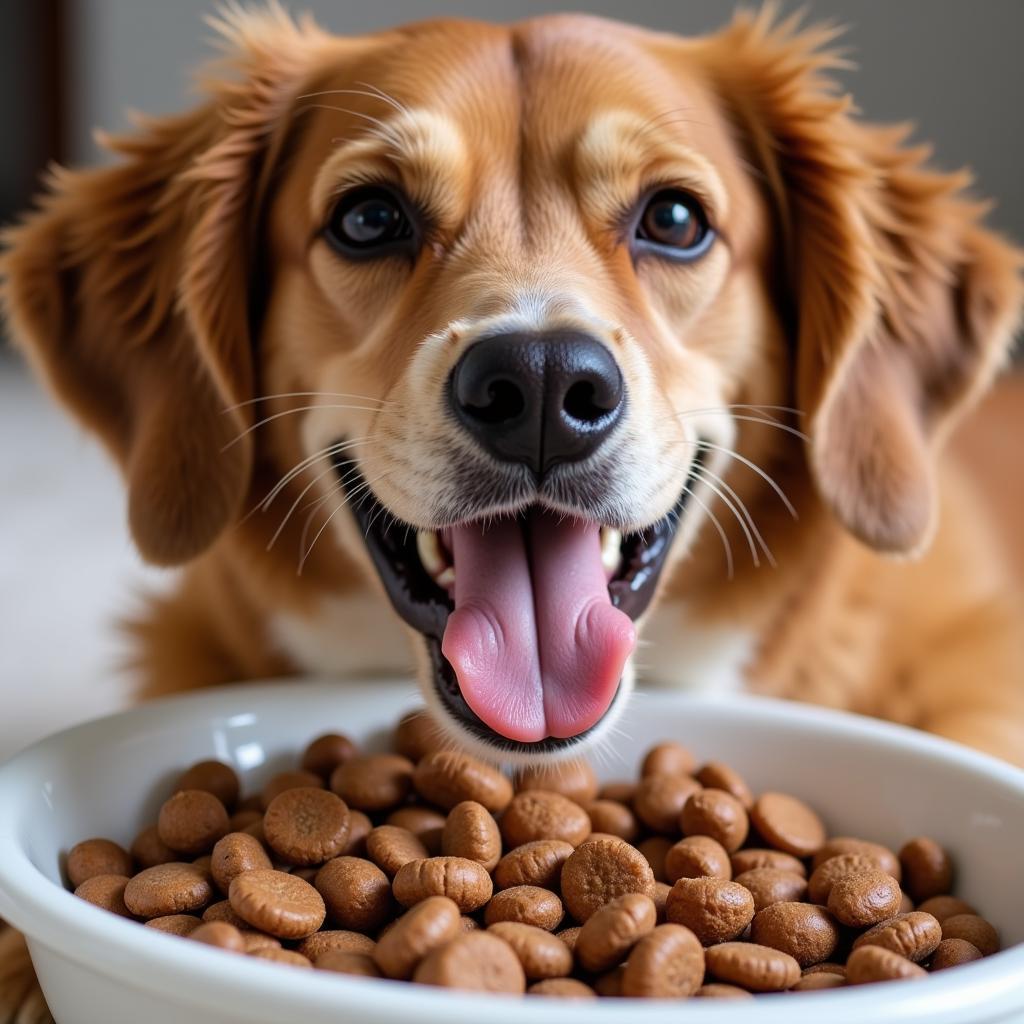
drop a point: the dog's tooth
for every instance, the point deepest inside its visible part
(428, 547)
(446, 578)
(611, 545)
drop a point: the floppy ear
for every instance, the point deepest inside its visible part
(900, 305)
(129, 289)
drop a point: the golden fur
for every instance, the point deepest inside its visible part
(180, 304)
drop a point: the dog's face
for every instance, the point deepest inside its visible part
(515, 304)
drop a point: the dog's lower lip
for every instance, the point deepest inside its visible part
(424, 605)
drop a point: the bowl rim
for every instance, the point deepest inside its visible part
(87, 935)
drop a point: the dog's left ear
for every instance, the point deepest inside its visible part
(900, 305)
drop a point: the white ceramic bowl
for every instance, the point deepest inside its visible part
(108, 778)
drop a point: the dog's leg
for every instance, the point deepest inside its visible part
(21, 999)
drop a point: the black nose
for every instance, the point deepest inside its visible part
(540, 399)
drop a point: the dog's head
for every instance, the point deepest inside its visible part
(526, 311)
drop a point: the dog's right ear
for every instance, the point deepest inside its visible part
(129, 288)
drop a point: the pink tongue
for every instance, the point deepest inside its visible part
(534, 640)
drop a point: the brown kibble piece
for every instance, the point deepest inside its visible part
(432, 923)
(526, 904)
(220, 934)
(211, 777)
(828, 966)
(697, 857)
(718, 990)
(819, 886)
(306, 826)
(423, 822)
(569, 936)
(788, 824)
(655, 852)
(192, 821)
(168, 889)
(976, 930)
(927, 868)
(769, 885)
(346, 941)
(477, 961)
(806, 932)
(373, 782)
(753, 967)
(277, 903)
(464, 881)
(253, 940)
(175, 924)
(953, 952)
(712, 908)
(390, 847)
(286, 957)
(609, 985)
(447, 777)
(613, 930)
(573, 779)
(326, 752)
(221, 911)
(914, 935)
(561, 988)
(667, 963)
(241, 820)
(817, 982)
(864, 898)
(418, 734)
(536, 814)
(148, 850)
(276, 785)
(668, 758)
(873, 963)
(716, 775)
(357, 894)
(359, 827)
(538, 863)
(886, 859)
(715, 813)
(97, 857)
(659, 800)
(621, 792)
(472, 832)
(941, 907)
(235, 854)
(754, 857)
(613, 818)
(540, 953)
(106, 892)
(345, 962)
(599, 871)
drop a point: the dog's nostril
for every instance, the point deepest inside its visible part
(504, 402)
(582, 402)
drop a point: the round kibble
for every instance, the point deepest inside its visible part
(148, 850)
(390, 847)
(326, 752)
(715, 813)
(828, 966)
(373, 782)
(769, 885)
(540, 953)
(613, 930)
(212, 777)
(819, 886)
(808, 933)
(526, 904)
(668, 963)
(241, 820)
(874, 963)
(668, 758)
(697, 857)
(472, 832)
(356, 893)
(539, 863)
(717, 990)
(886, 860)
(463, 881)
(660, 897)
(430, 924)
(221, 911)
(659, 800)
(914, 935)
(344, 962)
(609, 985)
(716, 775)
(655, 851)
(976, 930)
(288, 780)
(788, 824)
(220, 934)
(621, 792)
(418, 734)
(753, 967)
(425, 823)
(569, 936)
(446, 778)
(712, 908)
(306, 826)
(927, 868)
(573, 779)
(235, 854)
(864, 898)
(168, 889)
(561, 988)
(359, 827)
(613, 818)
(601, 870)
(953, 952)
(817, 982)
(106, 892)
(754, 857)
(477, 961)
(253, 940)
(175, 924)
(97, 857)
(277, 903)
(286, 957)
(537, 814)
(342, 940)
(192, 821)
(941, 907)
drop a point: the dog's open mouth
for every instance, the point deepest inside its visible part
(528, 619)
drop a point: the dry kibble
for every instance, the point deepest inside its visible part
(390, 847)
(192, 821)
(864, 898)
(220, 934)
(472, 832)
(326, 752)
(753, 967)
(343, 962)
(373, 782)
(221, 911)
(819, 886)
(168, 889)
(241, 820)
(754, 857)
(660, 897)
(788, 824)
(613, 930)
(539, 863)
(668, 963)
(599, 871)
(874, 963)
(886, 860)
(97, 857)
(817, 982)
(536, 814)
(418, 734)
(569, 936)
(286, 957)
(609, 985)
(356, 893)
(718, 990)
(659, 800)
(697, 857)
(277, 903)
(359, 827)
(253, 941)
(561, 988)
(306, 826)
(828, 967)
(621, 792)
(976, 930)
(148, 850)
(288, 780)
(655, 851)
(712, 908)
(526, 904)
(573, 779)
(612, 818)
(941, 907)
(953, 952)
(716, 775)
(927, 868)
(540, 953)
(342, 940)
(463, 881)
(668, 759)
(914, 935)
(235, 854)
(106, 892)
(715, 813)
(428, 925)
(175, 924)
(212, 777)
(478, 961)
(806, 932)
(769, 885)
(425, 823)
(446, 778)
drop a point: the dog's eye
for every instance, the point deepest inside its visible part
(369, 221)
(674, 223)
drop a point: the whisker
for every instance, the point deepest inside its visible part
(721, 531)
(733, 509)
(295, 504)
(291, 412)
(756, 468)
(750, 519)
(303, 394)
(334, 449)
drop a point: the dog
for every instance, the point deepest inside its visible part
(540, 336)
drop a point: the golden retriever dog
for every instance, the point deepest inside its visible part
(490, 349)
